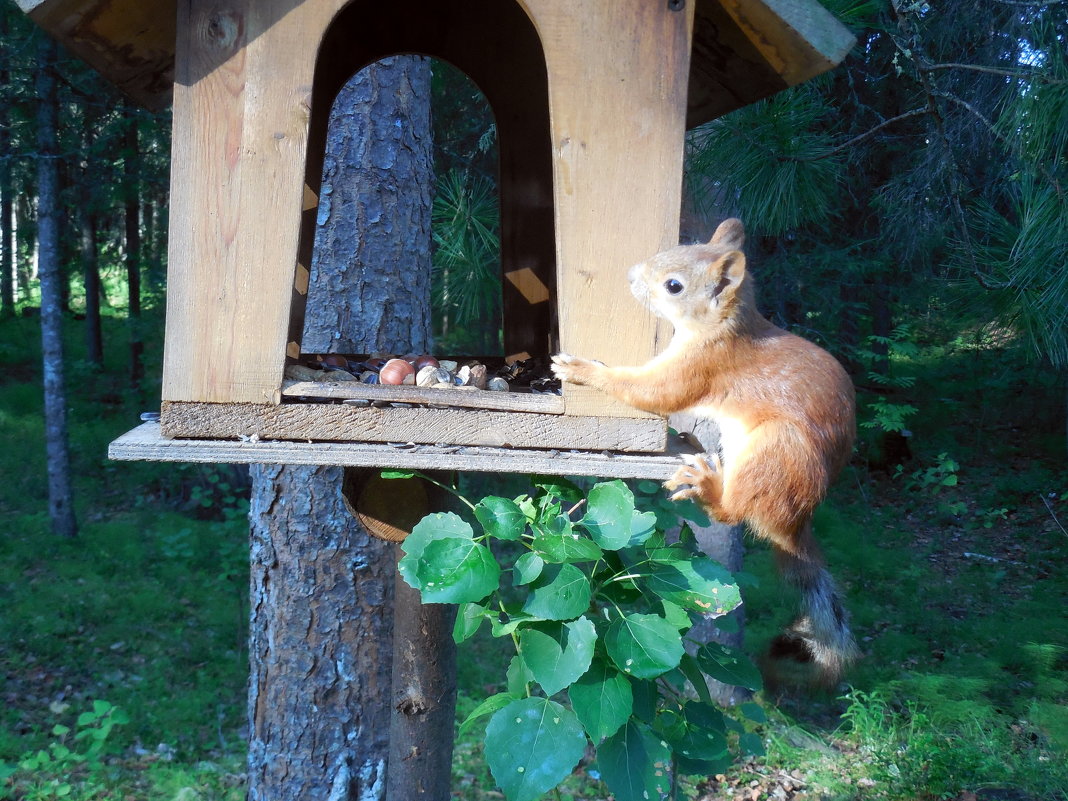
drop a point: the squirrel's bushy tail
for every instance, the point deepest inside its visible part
(820, 635)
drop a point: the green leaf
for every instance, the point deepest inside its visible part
(676, 615)
(751, 744)
(702, 748)
(531, 746)
(468, 620)
(602, 699)
(59, 730)
(644, 646)
(753, 712)
(690, 669)
(558, 654)
(505, 623)
(518, 676)
(696, 583)
(635, 764)
(566, 491)
(729, 665)
(565, 547)
(440, 525)
(561, 592)
(455, 570)
(527, 568)
(609, 515)
(501, 518)
(487, 707)
(398, 474)
(642, 527)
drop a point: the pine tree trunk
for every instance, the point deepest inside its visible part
(322, 611)
(94, 340)
(132, 211)
(87, 223)
(25, 239)
(60, 496)
(7, 239)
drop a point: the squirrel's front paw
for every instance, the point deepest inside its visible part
(691, 480)
(572, 369)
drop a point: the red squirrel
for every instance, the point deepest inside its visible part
(784, 408)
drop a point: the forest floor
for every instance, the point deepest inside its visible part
(123, 664)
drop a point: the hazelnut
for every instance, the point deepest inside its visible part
(395, 371)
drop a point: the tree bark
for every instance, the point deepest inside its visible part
(726, 545)
(7, 238)
(94, 340)
(132, 211)
(322, 616)
(424, 694)
(25, 239)
(60, 495)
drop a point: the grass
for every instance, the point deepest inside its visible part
(956, 590)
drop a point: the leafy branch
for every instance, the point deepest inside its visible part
(597, 611)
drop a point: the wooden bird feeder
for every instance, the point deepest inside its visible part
(591, 98)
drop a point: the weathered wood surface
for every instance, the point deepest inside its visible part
(335, 422)
(242, 96)
(147, 443)
(799, 38)
(614, 207)
(129, 42)
(746, 50)
(465, 398)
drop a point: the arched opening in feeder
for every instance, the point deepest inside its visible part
(495, 270)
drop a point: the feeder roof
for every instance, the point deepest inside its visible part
(743, 50)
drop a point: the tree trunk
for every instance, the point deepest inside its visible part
(725, 544)
(322, 611)
(94, 340)
(7, 239)
(88, 224)
(60, 496)
(133, 243)
(424, 694)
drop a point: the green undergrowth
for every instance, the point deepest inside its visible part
(952, 567)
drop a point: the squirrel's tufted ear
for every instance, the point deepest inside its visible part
(725, 275)
(729, 234)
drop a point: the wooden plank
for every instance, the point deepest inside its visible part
(798, 38)
(337, 421)
(617, 113)
(746, 50)
(464, 398)
(129, 42)
(147, 443)
(241, 113)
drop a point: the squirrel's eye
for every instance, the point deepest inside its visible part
(673, 286)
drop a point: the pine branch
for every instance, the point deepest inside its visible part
(1031, 3)
(1023, 76)
(916, 112)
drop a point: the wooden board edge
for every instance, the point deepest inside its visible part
(147, 443)
(335, 422)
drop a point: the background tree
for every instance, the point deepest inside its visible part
(60, 494)
(322, 588)
(7, 238)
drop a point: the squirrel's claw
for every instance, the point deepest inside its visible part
(686, 479)
(572, 369)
